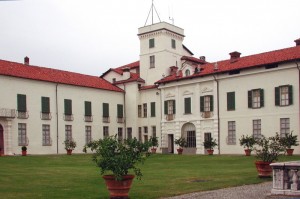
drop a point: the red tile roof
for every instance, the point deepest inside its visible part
(272, 57)
(14, 69)
(119, 70)
(193, 59)
(134, 77)
(148, 87)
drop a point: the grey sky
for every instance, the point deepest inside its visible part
(91, 36)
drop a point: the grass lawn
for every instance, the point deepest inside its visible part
(76, 176)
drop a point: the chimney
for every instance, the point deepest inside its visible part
(234, 55)
(216, 67)
(126, 73)
(202, 58)
(26, 60)
(173, 70)
(297, 41)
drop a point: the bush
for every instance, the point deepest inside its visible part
(210, 144)
(247, 142)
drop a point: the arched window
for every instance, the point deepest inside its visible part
(189, 133)
(187, 72)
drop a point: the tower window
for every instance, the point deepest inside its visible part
(173, 43)
(152, 61)
(151, 43)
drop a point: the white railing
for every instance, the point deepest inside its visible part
(7, 113)
(22, 114)
(88, 118)
(46, 116)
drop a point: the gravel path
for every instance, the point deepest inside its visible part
(257, 191)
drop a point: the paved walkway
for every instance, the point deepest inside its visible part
(257, 191)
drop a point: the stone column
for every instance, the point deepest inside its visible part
(8, 137)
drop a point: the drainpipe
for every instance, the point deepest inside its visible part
(56, 119)
(218, 113)
(298, 87)
(124, 98)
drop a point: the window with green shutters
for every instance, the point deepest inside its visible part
(231, 101)
(187, 105)
(119, 110)
(21, 100)
(45, 105)
(207, 103)
(152, 104)
(87, 108)
(256, 98)
(169, 107)
(68, 107)
(105, 110)
(284, 95)
(151, 43)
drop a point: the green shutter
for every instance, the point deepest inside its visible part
(68, 107)
(187, 105)
(105, 110)
(21, 103)
(174, 107)
(152, 109)
(211, 103)
(166, 107)
(45, 105)
(262, 101)
(88, 108)
(230, 101)
(151, 43)
(277, 96)
(290, 94)
(249, 99)
(202, 104)
(120, 111)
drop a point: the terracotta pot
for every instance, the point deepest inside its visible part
(264, 169)
(289, 152)
(210, 151)
(24, 153)
(118, 189)
(153, 150)
(179, 151)
(69, 151)
(247, 152)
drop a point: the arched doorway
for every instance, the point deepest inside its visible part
(188, 131)
(1, 140)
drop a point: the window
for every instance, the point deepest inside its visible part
(153, 131)
(206, 103)
(256, 128)
(140, 134)
(231, 133)
(87, 108)
(119, 110)
(88, 134)
(68, 131)
(68, 107)
(187, 72)
(284, 126)
(152, 104)
(46, 135)
(169, 109)
(120, 134)
(145, 129)
(45, 105)
(139, 110)
(22, 107)
(145, 109)
(152, 61)
(129, 133)
(230, 101)
(22, 134)
(105, 107)
(187, 105)
(191, 139)
(151, 43)
(256, 98)
(105, 131)
(284, 95)
(173, 43)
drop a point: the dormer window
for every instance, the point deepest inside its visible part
(187, 72)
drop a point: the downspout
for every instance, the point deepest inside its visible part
(218, 113)
(298, 87)
(56, 104)
(124, 99)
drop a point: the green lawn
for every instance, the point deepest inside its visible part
(76, 176)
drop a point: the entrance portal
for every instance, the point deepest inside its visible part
(1, 141)
(189, 133)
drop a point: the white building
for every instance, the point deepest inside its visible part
(167, 93)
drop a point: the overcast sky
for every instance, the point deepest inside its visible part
(91, 36)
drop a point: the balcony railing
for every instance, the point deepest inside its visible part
(46, 116)
(88, 118)
(170, 117)
(7, 113)
(207, 114)
(22, 114)
(105, 119)
(68, 117)
(120, 119)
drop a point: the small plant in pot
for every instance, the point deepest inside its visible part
(181, 142)
(247, 142)
(118, 158)
(153, 143)
(267, 151)
(288, 141)
(209, 145)
(69, 146)
(24, 150)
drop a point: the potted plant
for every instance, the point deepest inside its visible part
(69, 146)
(209, 145)
(267, 151)
(24, 150)
(181, 142)
(118, 158)
(153, 143)
(247, 142)
(288, 141)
